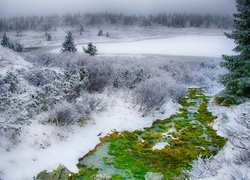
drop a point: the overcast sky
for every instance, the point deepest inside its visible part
(37, 7)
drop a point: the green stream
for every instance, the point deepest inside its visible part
(130, 155)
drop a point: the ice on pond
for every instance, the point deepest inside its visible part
(191, 45)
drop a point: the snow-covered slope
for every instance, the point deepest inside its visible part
(41, 145)
(9, 60)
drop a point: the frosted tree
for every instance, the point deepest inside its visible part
(237, 81)
(91, 49)
(5, 41)
(69, 45)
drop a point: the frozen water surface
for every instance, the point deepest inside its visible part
(200, 46)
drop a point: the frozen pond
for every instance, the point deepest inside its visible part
(202, 46)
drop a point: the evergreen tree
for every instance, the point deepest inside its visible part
(237, 81)
(11, 46)
(69, 44)
(5, 41)
(18, 47)
(91, 50)
(48, 37)
(81, 28)
(100, 33)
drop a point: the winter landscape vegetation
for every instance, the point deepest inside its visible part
(125, 93)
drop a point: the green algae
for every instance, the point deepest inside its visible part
(130, 155)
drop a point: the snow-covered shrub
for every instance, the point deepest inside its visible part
(11, 80)
(100, 75)
(242, 157)
(67, 113)
(62, 85)
(239, 134)
(152, 93)
(44, 59)
(64, 114)
(87, 104)
(129, 78)
(12, 107)
(75, 81)
(236, 174)
(207, 168)
(177, 91)
(40, 77)
(203, 168)
(64, 60)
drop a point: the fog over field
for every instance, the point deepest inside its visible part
(38, 7)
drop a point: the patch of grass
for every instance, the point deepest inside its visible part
(204, 116)
(181, 124)
(191, 135)
(117, 177)
(84, 174)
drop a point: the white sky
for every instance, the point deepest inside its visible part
(31, 7)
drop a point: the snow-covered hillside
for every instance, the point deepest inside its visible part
(29, 147)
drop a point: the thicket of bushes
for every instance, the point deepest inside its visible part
(66, 85)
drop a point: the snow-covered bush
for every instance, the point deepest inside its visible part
(129, 78)
(12, 113)
(121, 72)
(152, 93)
(40, 77)
(203, 168)
(178, 91)
(64, 114)
(44, 59)
(100, 75)
(87, 104)
(57, 86)
(27, 92)
(242, 157)
(239, 134)
(68, 113)
(236, 174)
(66, 60)
(75, 81)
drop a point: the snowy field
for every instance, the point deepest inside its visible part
(44, 146)
(201, 46)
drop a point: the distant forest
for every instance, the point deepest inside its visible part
(175, 20)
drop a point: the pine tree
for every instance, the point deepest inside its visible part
(237, 81)
(91, 50)
(100, 33)
(5, 41)
(48, 37)
(69, 44)
(18, 47)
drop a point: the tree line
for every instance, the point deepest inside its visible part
(176, 20)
